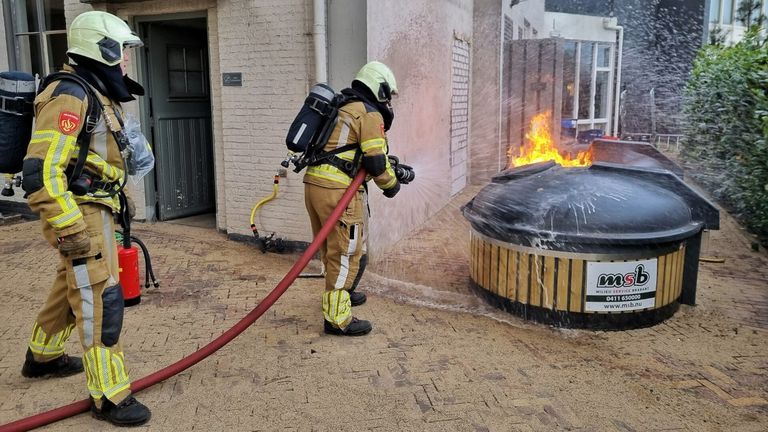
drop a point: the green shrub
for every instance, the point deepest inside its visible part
(726, 131)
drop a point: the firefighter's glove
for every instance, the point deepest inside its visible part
(390, 193)
(77, 244)
(403, 172)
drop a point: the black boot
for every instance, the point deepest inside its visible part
(59, 367)
(129, 412)
(355, 327)
(357, 298)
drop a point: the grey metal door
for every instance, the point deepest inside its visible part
(180, 115)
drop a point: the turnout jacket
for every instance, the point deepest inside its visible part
(357, 123)
(60, 115)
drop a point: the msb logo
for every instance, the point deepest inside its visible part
(68, 122)
(616, 280)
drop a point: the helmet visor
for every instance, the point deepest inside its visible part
(133, 43)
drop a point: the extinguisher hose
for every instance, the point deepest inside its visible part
(125, 220)
(148, 271)
(72, 409)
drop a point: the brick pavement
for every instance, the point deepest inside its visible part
(458, 367)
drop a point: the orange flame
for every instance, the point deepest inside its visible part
(540, 147)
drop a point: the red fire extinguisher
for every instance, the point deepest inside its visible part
(128, 259)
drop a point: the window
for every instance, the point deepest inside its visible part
(585, 79)
(39, 35)
(186, 76)
(727, 11)
(569, 79)
(588, 70)
(714, 11)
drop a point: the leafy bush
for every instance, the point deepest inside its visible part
(726, 142)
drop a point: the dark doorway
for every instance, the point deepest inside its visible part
(179, 112)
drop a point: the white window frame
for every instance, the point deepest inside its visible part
(592, 122)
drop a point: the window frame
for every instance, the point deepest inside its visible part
(592, 121)
(189, 96)
(16, 57)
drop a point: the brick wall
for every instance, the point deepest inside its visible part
(268, 42)
(460, 80)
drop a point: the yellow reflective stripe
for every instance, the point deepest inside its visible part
(347, 155)
(330, 173)
(113, 202)
(65, 219)
(390, 184)
(91, 373)
(336, 306)
(103, 362)
(42, 344)
(108, 171)
(105, 372)
(99, 163)
(56, 160)
(372, 144)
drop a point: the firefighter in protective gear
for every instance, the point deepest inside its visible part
(362, 121)
(86, 293)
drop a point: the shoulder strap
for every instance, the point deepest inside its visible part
(95, 108)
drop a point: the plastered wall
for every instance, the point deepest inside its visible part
(416, 40)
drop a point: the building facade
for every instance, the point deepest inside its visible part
(723, 17)
(226, 77)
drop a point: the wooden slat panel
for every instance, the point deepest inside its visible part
(483, 265)
(672, 278)
(504, 272)
(562, 284)
(522, 288)
(549, 282)
(472, 257)
(493, 283)
(660, 269)
(577, 285)
(668, 278)
(537, 269)
(513, 275)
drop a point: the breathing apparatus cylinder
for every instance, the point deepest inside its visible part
(306, 128)
(17, 94)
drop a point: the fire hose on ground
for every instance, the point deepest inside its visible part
(75, 408)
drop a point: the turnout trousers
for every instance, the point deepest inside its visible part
(343, 252)
(87, 295)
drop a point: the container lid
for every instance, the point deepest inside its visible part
(603, 203)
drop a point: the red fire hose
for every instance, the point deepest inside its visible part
(75, 408)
